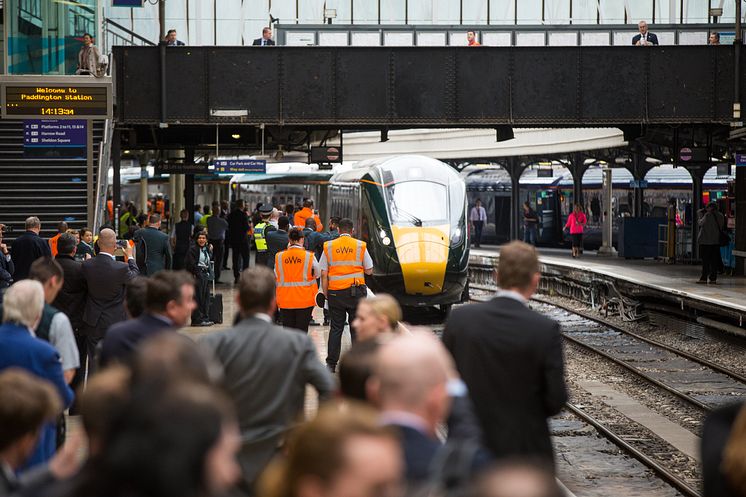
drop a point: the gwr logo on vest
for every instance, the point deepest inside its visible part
(344, 250)
(293, 260)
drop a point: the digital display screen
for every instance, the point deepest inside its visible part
(56, 100)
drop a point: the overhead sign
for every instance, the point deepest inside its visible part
(68, 97)
(693, 154)
(741, 159)
(239, 166)
(55, 138)
(543, 172)
(166, 167)
(126, 3)
(326, 154)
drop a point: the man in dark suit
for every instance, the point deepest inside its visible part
(28, 247)
(105, 279)
(266, 369)
(644, 38)
(277, 240)
(266, 39)
(72, 296)
(238, 238)
(510, 358)
(409, 384)
(22, 310)
(169, 303)
(157, 246)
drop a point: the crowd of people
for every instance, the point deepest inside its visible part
(226, 414)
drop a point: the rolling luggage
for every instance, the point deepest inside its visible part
(215, 306)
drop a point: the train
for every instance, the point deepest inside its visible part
(411, 211)
(551, 195)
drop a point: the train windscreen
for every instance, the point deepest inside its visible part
(417, 203)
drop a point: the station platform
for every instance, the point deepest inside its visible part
(640, 279)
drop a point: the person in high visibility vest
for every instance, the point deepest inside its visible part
(299, 219)
(61, 228)
(260, 234)
(296, 271)
(344, 263)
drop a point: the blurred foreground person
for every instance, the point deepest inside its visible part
(510, 358)
(343, 452)
(22, 311)
(517, 478)
(376, 316)
(178, 441)
(266, 370)
(356, 368)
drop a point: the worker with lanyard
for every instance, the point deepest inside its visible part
(296, 271)
(344, 263)
(260, 234)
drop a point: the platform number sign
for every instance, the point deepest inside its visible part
(685, 154)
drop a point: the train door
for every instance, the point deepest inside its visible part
(502, 218)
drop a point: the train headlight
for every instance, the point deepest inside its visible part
(386, 241)
(382, 234)
(457, 236)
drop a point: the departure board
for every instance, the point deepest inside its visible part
(59, 101)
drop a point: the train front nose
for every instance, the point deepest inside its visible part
(423, 256)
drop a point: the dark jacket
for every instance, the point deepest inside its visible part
(266, 369)
(83, 250)
(192, 259)
(158, 249)
(277, 241)
(258, 42)
(715, 432)
(238, 227)
(122, 338)
(710, 226)
(71, 299)
(419, 451)
(7, 268)
(105, 279)
(510, 358)
(25, 250)
(19, 349)
(315, 240)
(652, 38)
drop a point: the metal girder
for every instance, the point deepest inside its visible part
(374, 87)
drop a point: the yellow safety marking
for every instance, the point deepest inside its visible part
(423, 256)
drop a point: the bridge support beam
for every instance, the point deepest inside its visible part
(697, 180)
(189, 186)
(515, 169)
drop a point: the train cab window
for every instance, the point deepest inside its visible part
(417, 202)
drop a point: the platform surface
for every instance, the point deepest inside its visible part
(676, 279)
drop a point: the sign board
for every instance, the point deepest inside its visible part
(694, 154)
(741, 159)
(326, 154)
(545, 172)
(238, 166)
(723, 169)
(165, 167)
(126, 3)
(55, 138)
(641, 183)
(61, 97)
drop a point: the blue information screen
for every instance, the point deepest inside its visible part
(55, 138)
(239, 166)
(126, 3)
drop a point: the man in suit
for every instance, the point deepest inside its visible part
(510, 358)
(409, 385)
(28, 247)
(266, 39)
(22, 310)
(277, 240)
(266, 369)
(644, 38)
(171, 39)
(238, 238)
(169, 303)
(105, 279)
(7, 268)
(157, 246)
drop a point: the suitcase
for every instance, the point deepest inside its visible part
(215, 306)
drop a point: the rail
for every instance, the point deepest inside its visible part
(102, 175)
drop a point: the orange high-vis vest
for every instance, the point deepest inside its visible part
(296, 286)
(344, 257)
(53, 244)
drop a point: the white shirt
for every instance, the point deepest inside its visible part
(367, 261)
(510, 294)
(478, 214)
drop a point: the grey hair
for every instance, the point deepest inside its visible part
(23, 303)
(32, 222)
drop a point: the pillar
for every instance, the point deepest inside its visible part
(578, 170)
(740, 249)
(172, 193)
(515, 171)
(143, 207)
(116, 184)
(696, 206)
(189, 186)
(607, 249)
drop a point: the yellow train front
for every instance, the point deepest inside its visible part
(411, 211)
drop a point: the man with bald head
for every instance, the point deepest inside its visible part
(105, 279)
(409, 385)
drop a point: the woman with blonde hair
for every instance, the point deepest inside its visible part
(375, 316)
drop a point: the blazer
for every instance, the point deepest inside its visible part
(715, 432)
(651, 38)
(510, 358)
(105, 279)
(192, 260)
(419, 451)
(72, 296)
(18, 348)
(158, 249)
(258, 42)
(277, 241)
(25, 250)
(7, 268)
(266, 369)
(238, 227)
(122, 338)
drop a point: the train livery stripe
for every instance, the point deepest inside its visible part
(423, 257)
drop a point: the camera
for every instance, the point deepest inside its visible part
(4, 228)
